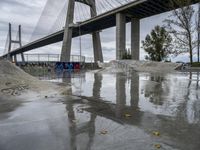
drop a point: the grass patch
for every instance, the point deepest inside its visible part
(196, 64)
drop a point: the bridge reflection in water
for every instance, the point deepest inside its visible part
(166, 103)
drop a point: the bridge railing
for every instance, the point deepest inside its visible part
(50, 58)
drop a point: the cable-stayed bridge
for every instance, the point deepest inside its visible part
(81, 17)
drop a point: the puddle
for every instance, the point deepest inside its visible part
(110, 111)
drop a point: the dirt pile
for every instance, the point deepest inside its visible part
(140, 66)
(14, 82)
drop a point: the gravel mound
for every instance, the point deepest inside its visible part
(15, 82)
(140, 66)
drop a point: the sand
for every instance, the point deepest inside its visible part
(139, 66)
(15, 82)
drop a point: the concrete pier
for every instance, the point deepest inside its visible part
(15, 58)
(98, 55)
(10, 39)
(20, 43)
(67, 39)
(120, 35)
(135, 39)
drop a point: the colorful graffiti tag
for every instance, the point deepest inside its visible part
(60, 66)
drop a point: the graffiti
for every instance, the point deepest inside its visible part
(60, 66)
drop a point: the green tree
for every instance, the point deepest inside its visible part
(127, 54)
(158, 44)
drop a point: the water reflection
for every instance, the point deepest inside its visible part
(72, 126)
(120, 94)
(164, 95)
(168, 95)
(134, 90)
(167, 103)
(154, 94)
(77, 128)
(97, 85)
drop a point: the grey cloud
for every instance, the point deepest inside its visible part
(108, 49)
(20, 3)
(28, 12)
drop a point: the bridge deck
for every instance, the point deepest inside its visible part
(137, 9)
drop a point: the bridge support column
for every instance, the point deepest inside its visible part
(23, 59)
(120, 35)
(98, 55)
(15, 58)
(67, 39)
(20, 43)
(9, 46)
(135, 39)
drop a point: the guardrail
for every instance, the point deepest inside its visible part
(50, 58)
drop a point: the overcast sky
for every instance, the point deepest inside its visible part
(28, 12)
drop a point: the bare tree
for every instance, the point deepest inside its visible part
(181, 25)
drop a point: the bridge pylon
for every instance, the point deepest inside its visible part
(67, 39)
(121, 36)
(17, 41)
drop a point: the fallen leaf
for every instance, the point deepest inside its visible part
(75, 121)
(158, 146)
(103, 132)
(156, 133)
(127, 115)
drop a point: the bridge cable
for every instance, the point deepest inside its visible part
(79, 13)
(100, 8)
(114, 2)
(38, 22)
(109, 4)
(48, 15)
(84, 12)
(62, 18)
(75, 13)
(105, 9)
(119, 2)
(87, 9)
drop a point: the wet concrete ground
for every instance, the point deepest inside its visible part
(137, 111)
